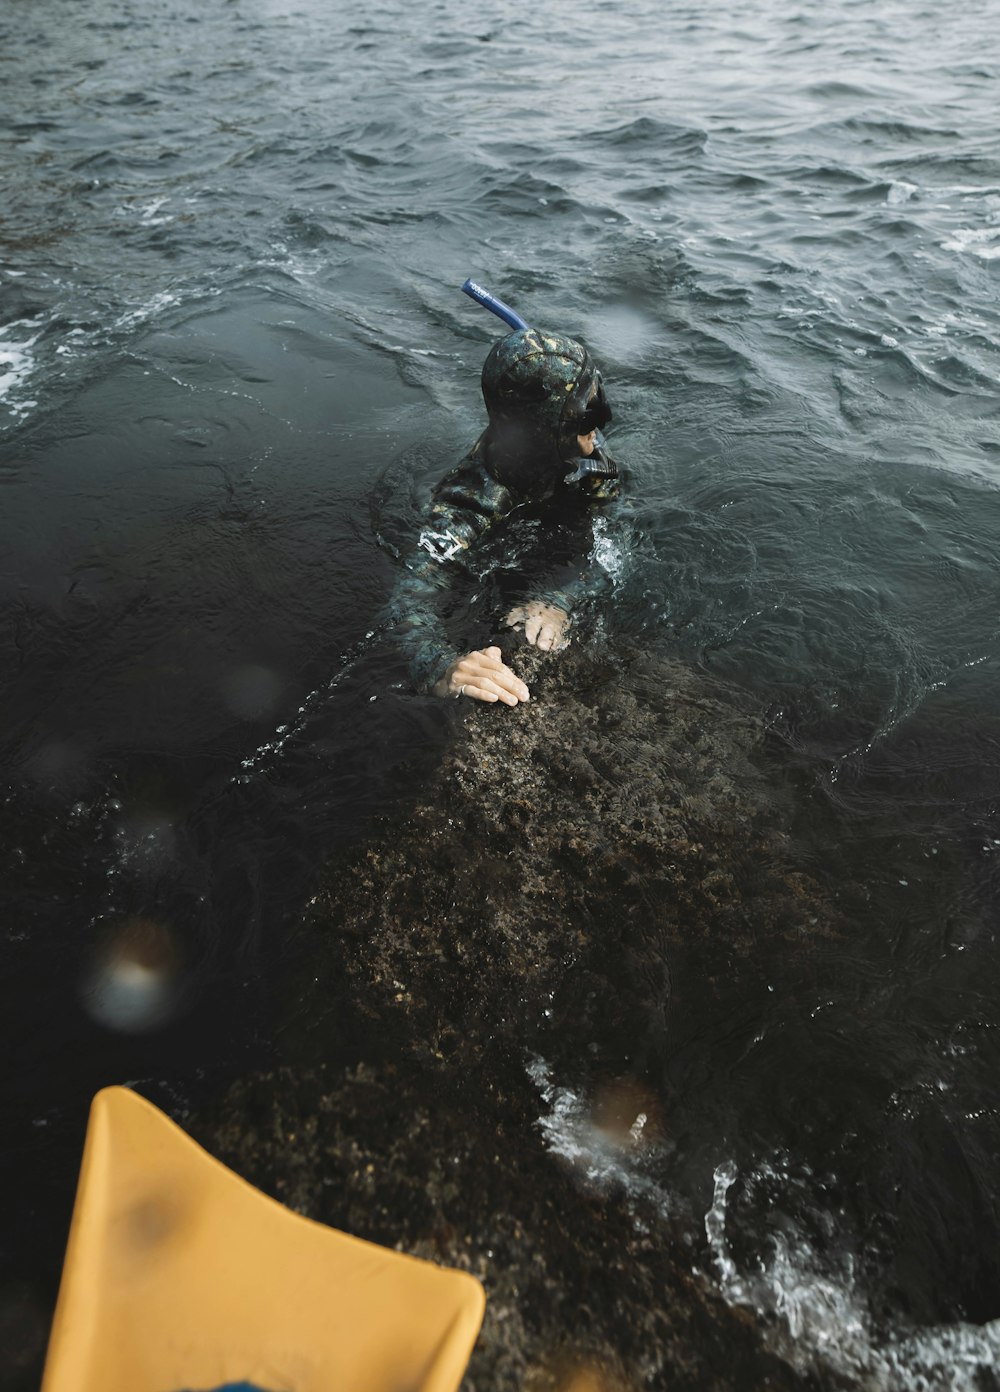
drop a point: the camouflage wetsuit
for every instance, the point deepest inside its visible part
(537, 388)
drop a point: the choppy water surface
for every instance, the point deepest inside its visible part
(232, 347)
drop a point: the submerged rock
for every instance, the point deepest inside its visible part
(573, 895)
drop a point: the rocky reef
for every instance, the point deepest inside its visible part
(581, 886)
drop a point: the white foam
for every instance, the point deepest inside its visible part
(17, 362)
(148, 213)
(607, 551)
(813, 1312)
(983, 242)
(969, 190)
(407, 351)
(143, 313)
(812, 1317)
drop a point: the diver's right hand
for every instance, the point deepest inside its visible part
(484, 677)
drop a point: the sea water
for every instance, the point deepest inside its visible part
(233, 356)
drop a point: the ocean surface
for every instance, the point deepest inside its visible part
(233, 356)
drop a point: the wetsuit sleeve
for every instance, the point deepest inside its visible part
(464, 505)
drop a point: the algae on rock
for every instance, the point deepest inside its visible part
(584, 879)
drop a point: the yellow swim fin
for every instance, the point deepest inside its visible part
(181, 1277)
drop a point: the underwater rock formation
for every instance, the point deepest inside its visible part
(581, 881)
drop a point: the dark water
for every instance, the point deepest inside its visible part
(232, 348)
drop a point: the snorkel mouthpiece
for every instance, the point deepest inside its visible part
(495, 306)
(593, 467)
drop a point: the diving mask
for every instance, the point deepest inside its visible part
(597, 413)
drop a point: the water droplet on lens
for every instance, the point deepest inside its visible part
(133, 979)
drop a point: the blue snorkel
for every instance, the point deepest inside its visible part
(495, 306)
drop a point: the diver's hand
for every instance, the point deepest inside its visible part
(483, 676)
(545, 625)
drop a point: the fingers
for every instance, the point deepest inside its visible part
(560, 636)
(545, 626)
(483, 676)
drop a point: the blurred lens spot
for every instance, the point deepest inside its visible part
(576, 1373)
(627, 1114)
(253, 692)
(132, 985)
(150, 1223)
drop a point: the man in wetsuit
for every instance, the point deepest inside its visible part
(542, 451)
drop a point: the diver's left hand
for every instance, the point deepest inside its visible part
(545, 625)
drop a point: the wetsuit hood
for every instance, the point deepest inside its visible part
(537, 388)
